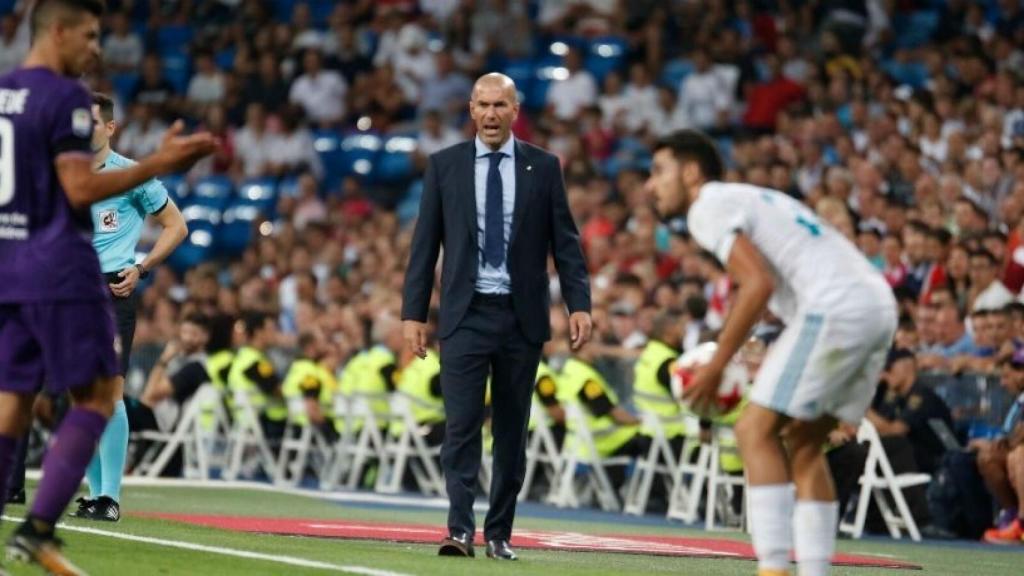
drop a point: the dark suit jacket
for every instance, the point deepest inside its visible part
(541, 225)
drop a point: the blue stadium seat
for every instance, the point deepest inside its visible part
(7, 6)
(521, 71)
(675, 71)
(914, 74)
(537, 97)
(320, 10)
(409, 206)
(225, 59)
(212, 191)
(915, 29)
(327, 144)
(198, 245)
(394, 164)
(178, 71)
(124, 85)
(236, 228)
(359, 153)
(289, 186)
(605, 55)
(173, 39)
(261, 192)
(282, 10)
(177, 187)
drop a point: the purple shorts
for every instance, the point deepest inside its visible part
(62, 344)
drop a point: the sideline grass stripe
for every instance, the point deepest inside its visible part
(290, 560)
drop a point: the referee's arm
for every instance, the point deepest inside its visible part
(172, 232)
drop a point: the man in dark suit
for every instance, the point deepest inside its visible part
(499, 207)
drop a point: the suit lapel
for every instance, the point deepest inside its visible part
(524, 186)
(467, 195)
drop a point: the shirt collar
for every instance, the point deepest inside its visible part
(508, 148)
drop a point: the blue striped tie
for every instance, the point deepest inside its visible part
(494, 217)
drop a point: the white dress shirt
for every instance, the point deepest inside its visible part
(491, 280)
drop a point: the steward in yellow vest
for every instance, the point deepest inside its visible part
(310, 380)
(420, 383)
(252, 372)
(652, 380)
(545, 394)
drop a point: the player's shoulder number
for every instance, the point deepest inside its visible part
(802, 214)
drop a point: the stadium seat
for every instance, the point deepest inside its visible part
(394, 164)
(303, 448)
(579, 453)
(225, 59)
(675, 71)
(409, 207)
(320, 11)
(124, 85)
(198, 246)
(521, 71)
(173, 39)
(605, 55)
(327, 144)
(212, 191)
(236, 229)
(408, 450)
(913, 74)
(7, 6)
(877, 480)
(359, 152)
(261, 192)
(177, 69)
(177, 188)
(916, 29)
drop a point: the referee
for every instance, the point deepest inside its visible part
(117, 226)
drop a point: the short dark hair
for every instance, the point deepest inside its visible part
(254, 321)
(199, 319)
(68, 11)
(695, 146)
(106, 104)
(982, 253)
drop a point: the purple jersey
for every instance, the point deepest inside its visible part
(46, 251)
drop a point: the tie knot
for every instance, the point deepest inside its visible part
(495, 157)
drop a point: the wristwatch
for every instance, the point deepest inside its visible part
(143, 273)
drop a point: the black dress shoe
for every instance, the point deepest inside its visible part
(457, 545)
(500, 550)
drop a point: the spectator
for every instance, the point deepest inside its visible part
(903, 408)
(987, 291)
(1001, 461)
(179, 372)
(309, 207)
(952, 340)
(207, 86)
(253, 144)
(574, 90)
(767, 98)
(435, 135)
(290, 151)
(447, 90)
(345, 54)
(704, 98)
(640, 96)
(11, 51)
(154, 90)
(143, 132)
(321, 93)
(122, 48)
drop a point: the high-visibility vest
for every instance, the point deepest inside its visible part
(579, 377)
(649, 395)
(545, 377)
(273, 408)
(302, 373)
(414, 384)
(362, 376)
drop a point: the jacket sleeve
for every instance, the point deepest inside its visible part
(426, 244)
(568, 253)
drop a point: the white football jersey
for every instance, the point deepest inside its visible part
(816, 268)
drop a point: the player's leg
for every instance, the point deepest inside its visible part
(15, 418)
(771, 498)
(1013, 471)
(816, 513)
(758, 433)
(78, 347)
(993, 470)
(107, 467)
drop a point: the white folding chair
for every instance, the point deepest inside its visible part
(580, 450)
(689, 479)
(660, 461)
(878, 479)
(721, 485)
(248, 448)
(541, 452)
(409, 449)
(303, 446)
(367, 444)
(195, 435)
(341, 453)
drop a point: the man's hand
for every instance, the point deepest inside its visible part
(415, 334)
(580, 327)
(124, 288)
(702, 393)
(170, 352)
(178, 153)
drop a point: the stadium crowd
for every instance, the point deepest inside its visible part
(900, 122)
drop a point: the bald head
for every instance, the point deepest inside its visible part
(494, 106)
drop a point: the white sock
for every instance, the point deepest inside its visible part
(771, 524)
(814, 531)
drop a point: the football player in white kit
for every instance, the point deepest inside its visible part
(840, 317)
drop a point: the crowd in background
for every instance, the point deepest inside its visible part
(901, 122)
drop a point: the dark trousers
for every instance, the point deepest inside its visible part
(487, 342)
(124, 313)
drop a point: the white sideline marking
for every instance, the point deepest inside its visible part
(344, 496)
(290, 560)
